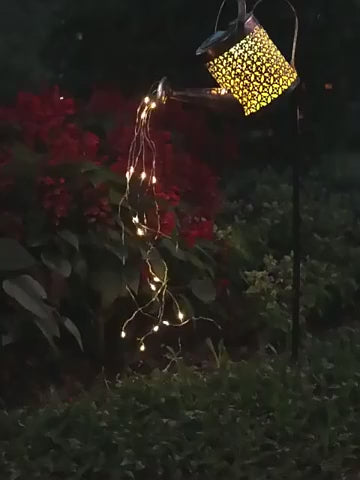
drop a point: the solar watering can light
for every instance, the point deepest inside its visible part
(251, 74)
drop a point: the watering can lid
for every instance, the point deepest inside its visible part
(219, 40)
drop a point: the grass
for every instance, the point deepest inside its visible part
(261, 419)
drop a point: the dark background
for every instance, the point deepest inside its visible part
(130, 44)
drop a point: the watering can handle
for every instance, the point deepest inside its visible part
(296, 29)
(241, 13)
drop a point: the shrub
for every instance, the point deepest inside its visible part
(68, 258)
(276, 421)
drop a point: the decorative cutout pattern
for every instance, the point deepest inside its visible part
(254, 71)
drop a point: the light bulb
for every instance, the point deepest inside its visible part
(146, 100)
(180, 316)
(156, 328)
(153, 105)
(153, 180)
(152, 286)
(123, 334)
(61, 98)
(165, 322)
(143, 176)
(157, 280)
(142, 348)
(132, 170)
(140, 232)
(135, 219)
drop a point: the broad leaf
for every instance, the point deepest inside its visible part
(132, 276)
(56, 262)
(110, 284)
(204, 290)
(173, 249)
(72, 328)
(13, 256)
(70, 238)
(29, 295)
(157, 263)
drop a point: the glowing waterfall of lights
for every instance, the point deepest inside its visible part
(142, 153)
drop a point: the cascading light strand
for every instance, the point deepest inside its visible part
(141, 179)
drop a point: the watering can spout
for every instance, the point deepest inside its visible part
(214, 98)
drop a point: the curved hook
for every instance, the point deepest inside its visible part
(296, 31)
(241, 12)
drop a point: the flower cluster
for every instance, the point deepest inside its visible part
(49, 124)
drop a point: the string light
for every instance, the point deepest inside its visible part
(142, 158)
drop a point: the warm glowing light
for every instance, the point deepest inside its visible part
(143, 115)
(143, 175)
(142, 348)
(157, 280)
(140, 232)
(61, 98)
(165, 322)
(153, 105)
(156, 328)
(132, 170)
(153, 180)
(253, 71)
(135, 219)
(147, 100)
(223, 91)
(181, 316)
(152, 286)
(123, 334)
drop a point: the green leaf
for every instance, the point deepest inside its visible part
(110, 284)
(157, 263)
(29, 294)
(72, 328)
(173, 249)
(70, 238)
(13, 256)
(80, 267)
(132, 276)
(204, 290)
(56, 262)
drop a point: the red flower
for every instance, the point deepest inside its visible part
(55, 197)
(167, 223)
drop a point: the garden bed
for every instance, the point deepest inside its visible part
(261, 419)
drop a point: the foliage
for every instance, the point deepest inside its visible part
(256, 226)
(67, 252)
(276, 421)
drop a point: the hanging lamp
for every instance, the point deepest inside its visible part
(246, 63)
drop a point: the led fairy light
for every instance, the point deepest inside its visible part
(141, 169)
